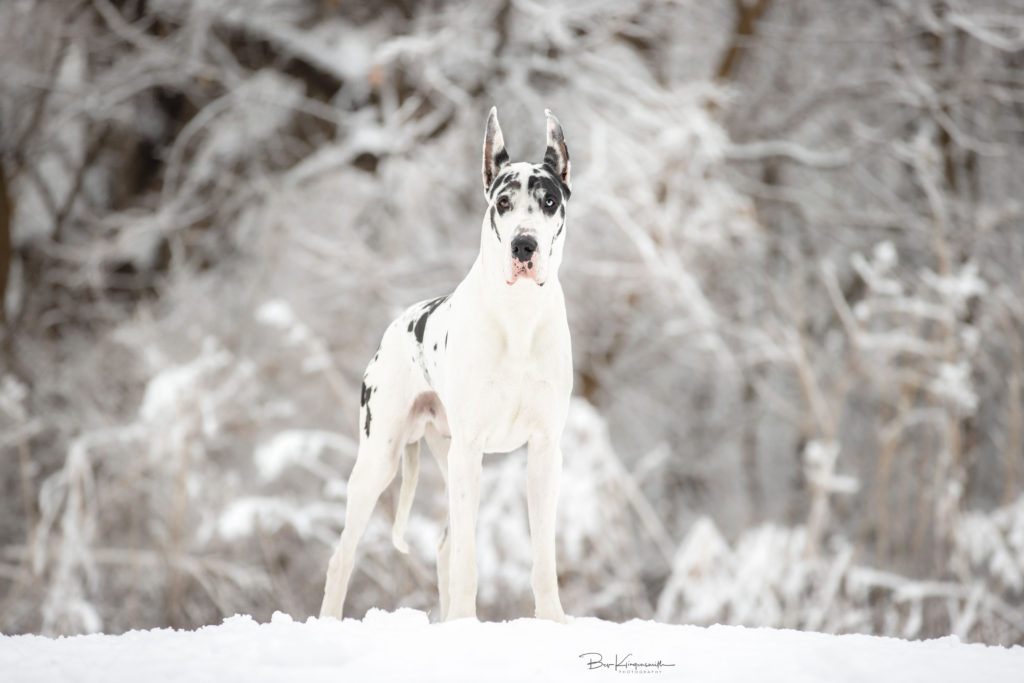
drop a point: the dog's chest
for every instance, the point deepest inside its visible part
(502, 368)
(517, 406)
(507, 378)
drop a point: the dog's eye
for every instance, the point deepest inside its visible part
(549, 201)
(503, 203)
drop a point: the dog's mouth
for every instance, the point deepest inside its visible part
(523, 270)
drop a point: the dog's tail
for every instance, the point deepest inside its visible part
(410, 477)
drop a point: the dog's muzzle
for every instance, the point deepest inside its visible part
(524, 248)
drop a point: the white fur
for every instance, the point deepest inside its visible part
(487, 370)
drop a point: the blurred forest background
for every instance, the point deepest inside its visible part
(795, 280)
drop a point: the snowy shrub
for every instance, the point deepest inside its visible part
(771, 576)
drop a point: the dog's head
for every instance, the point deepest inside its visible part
(524, 228)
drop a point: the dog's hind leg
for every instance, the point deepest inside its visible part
(444, 551)
(410, 476)
(376, 465)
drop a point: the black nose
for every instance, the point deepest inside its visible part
(523, 247)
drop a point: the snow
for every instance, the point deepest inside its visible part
(244, 515)
(175, 386)
(301, 447)
(404, 646)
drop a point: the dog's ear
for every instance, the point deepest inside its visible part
(556, 156)
(495, 155)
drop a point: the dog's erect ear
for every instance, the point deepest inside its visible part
(495, 156)
(556, 156)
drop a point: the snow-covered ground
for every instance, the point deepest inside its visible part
(404, 646)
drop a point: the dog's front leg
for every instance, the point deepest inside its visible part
(465, 461)
(543, 469)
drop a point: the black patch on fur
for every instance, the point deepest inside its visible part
(428, 308)
(548, 183)
(499, 182)
(543, 186)
(501, 158)
(548, 179)
(446, 340)
(551, 159)
(557, 233)
(411, 323)
(364, 402)
(505, 181)
(494, 226)
(435, 347)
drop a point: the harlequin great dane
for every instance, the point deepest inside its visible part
(487, 368)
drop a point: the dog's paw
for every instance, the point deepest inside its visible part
(460, 614)
(552, 613)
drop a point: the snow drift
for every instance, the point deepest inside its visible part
(404, 646)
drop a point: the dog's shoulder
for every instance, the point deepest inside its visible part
(417, 317)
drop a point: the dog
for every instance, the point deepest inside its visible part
(487, 368)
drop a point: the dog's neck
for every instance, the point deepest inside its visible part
(518, 308)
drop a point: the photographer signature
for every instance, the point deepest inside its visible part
(622, 664)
